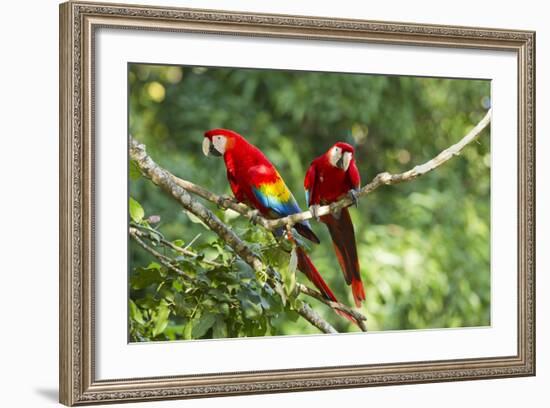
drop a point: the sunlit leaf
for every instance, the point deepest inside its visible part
(136, 210)
(161, 320)
(202, 325)
(134, 171)
(135, 313)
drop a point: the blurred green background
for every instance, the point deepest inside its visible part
(424, 246)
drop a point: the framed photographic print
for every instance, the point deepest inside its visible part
(258, 203)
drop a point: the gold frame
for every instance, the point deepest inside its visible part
(78, 22)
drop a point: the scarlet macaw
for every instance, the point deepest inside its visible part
(330, 177)
(256, 182)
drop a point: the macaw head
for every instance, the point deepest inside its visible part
(340, 155)
(219, 141)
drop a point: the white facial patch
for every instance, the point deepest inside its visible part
(334, 155)
(219, 143)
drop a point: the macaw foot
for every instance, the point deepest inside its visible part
(224, 200)
(354, 195)
(254, 216)
(314, 209)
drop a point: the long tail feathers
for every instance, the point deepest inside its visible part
(343, 238)
(306, 266)
(358, 291)
(305, 230)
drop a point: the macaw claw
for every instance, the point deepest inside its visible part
(314, 209)
(354, 195)
(254, 216)
(224, 200)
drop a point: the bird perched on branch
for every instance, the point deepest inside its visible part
(329, 178)
(256, 182)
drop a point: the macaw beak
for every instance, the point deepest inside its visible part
(344, 161)
(208, 148)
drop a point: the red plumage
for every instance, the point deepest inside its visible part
(240, 157)
(327, 181)
(306, 266)
(256, 182)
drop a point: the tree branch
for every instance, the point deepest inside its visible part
(164, 260)
(179, 189)
(359, 317)
(306, 310)
(386, 178)
(148, 234)
(155, 236)
(311, 316)
(166, 181)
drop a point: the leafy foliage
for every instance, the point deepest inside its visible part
(221, 298)
(424, 246)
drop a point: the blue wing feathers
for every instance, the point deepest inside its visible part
(281, 208)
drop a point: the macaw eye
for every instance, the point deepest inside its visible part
(219, 143)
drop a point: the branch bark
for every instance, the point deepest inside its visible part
(359, 317)
(166, 182)
(164, 260)
(140, 233)
(148, 234)
(179, 189)
(384, 178)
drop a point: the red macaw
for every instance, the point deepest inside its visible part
(255, 182)
(329, 178)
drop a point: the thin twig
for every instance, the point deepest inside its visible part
(187, 246)
(166, 243)
(381, 179)
(167, 262)
(386, 178)
(360, 318)
(180, 188)
(311, 316)
(165, 180)
(164, 260)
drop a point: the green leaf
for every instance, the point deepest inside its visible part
(177, 285)
(202, 324)
(147, 303)
(194, 219)
(289, 273)
(224, 308)
(179, 242)
(136, 210)
(188, 330)
(135, 313)
(292, 315)
(143, 277)
(134, 171)
(251, 310)
(220, 329)
(161, 320)
(172, 331)
(153, 265)
(296, 303)
(280, 290)
(276, 256)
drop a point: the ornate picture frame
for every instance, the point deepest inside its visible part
(78, 25)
